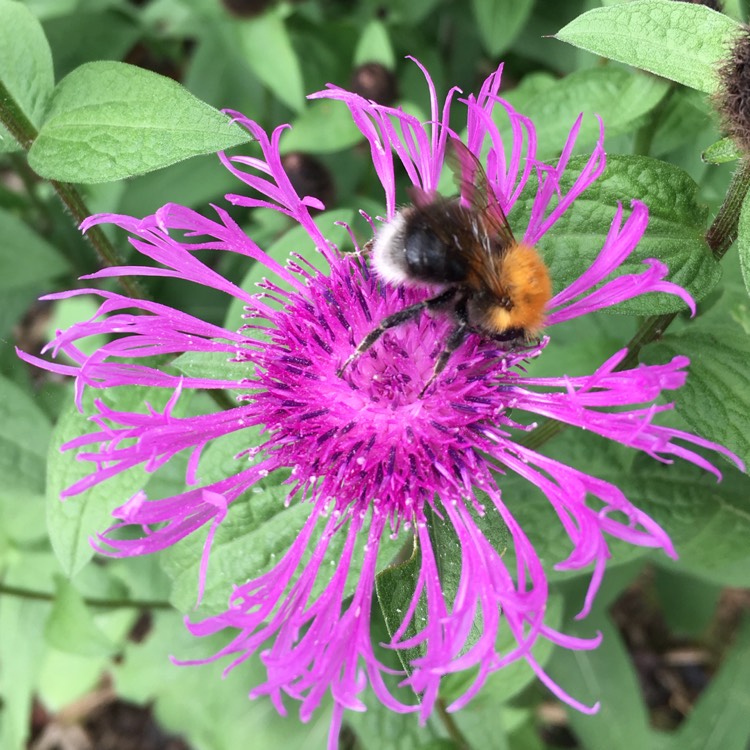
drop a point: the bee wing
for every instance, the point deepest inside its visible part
(475, 188)
(420, 198)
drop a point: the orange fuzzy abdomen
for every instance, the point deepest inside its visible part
(523, 279)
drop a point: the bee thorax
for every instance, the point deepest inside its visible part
(408, 250)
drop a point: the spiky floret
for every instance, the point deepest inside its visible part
(365, 453)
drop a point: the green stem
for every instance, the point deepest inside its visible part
(15, 120)
(723, 231)
(91, 601)
(23, 130)
(450, 726)
(719, 237)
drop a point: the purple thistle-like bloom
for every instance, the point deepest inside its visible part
(365, 453)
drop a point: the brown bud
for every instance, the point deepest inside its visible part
(713, 4)
(245, 8)
(145, 57)
(733, 96)
(309, 176)
(375, 82)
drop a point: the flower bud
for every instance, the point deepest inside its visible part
(245, 8)
(713, 4)
(309, 176)
(732, 99)
(375, 82)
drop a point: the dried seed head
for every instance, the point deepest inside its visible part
(149, 58)
(309, 176)
(733, 97)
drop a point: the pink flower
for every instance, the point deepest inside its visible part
(363, 452)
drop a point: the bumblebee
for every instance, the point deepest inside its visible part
(489, 284)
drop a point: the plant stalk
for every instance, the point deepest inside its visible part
(23, 130)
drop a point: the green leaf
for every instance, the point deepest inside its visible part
(109, 120)
(620, 97)
(380, 728)
(721, 152)
(66, 677)
(279, 71)
(605, 675)
(674, 234)
(688, 604)
(708, 521)
(395, 587)
(21, 651)
(499, 21)
(408, 14)
(90, 34)
(73, 521)
(24, 434)
(720, 720)
(325, 126)
(375, 46)
(580, 346)
(25, 65)
(70, 626)
(16, 303)
(217, 72)
(213, 365)
(255, 535)
(684, 120)
(715, 400)
(44, 9)
(487, 723)
(188, 700)
(196, 182)
(534, 38)
(26, 257)
(503, 685)
(679, 41)
(743, 240)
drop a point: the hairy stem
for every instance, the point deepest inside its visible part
(22, 129)
(450, 726)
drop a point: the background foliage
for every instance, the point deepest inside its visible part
(674, 668)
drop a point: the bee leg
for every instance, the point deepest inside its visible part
(457, 337)
(402, 316)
